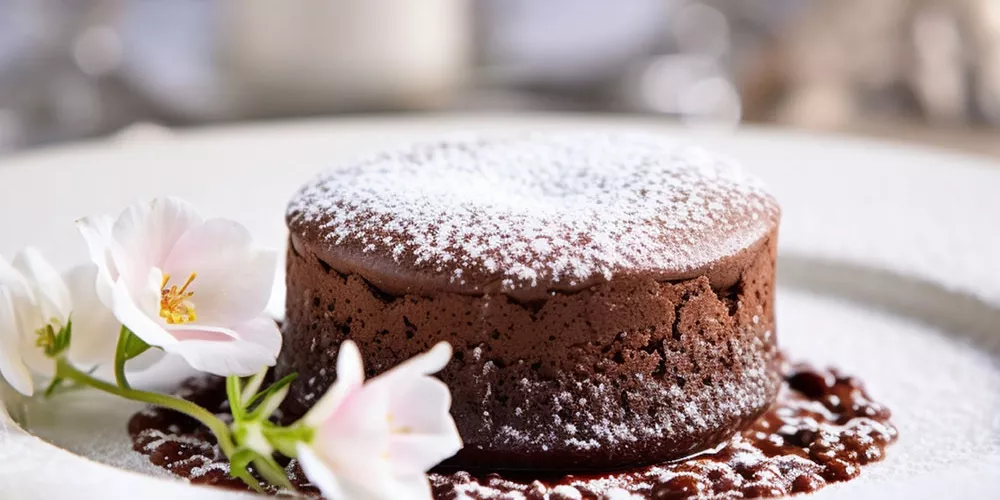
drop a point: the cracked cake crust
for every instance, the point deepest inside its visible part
(627, 372)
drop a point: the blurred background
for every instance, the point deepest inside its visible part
(918, 70)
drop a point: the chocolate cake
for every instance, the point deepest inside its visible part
(609, 297)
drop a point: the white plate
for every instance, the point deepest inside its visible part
(889, 268)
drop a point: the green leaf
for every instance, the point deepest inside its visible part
(272, 472)
(265, 465)
(251, 386)
(277, 386)
(269, 404)
(129, 347)
(134, 346)
(64, 336)
(238, 468)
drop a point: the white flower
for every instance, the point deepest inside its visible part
(191, 286)
(377, 440)
(36, 302)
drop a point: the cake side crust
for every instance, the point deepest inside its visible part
(626, 372)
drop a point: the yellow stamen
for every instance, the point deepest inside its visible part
(45, 337)
(188, 282)
(175, 307)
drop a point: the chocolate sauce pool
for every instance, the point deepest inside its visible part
(822, 429)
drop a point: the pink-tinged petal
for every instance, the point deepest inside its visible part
(361, 419)
(146, 233)
(424, 434)
(233, 357)
(350, 376)
(356, 473)
(12, 367)
(377, 440)
(336, 484)
(136, 319)
(97, 233)
(198, 332)
(152, 228)
(234, 278)
(426, 363)
(350, 367)
(353, 443)
(231, 284)
(320, 475)
(413, 486)
(262, 331)
(95, 328)
(256, 346)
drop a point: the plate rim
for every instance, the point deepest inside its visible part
(15, 439)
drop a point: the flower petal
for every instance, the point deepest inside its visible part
(134, 318)
(234, 278)
(21, 296)
(256, 347)
(425, 433)
(36, 360)
(202, 332)
(95, 328)
(264, 332)
(12, 367)
(349, 453)
(15, 282)
(97, 233)
(426, 363)
(146, 233)
(353, 443)
(377, 440)
(41, 299)
(412, 486)
(321, 476)
(350, 376)
(51, 295)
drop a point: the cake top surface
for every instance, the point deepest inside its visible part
(532, 212)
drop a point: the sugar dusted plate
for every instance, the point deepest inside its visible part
(888, 270)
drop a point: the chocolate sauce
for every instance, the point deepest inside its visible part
(822, 429)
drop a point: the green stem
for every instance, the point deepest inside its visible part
(286, 439)
(120, 358)
(218, 427)
(233, 392)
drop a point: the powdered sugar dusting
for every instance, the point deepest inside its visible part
(540, 208)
